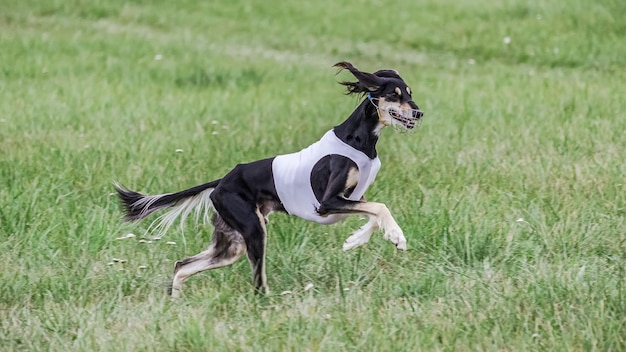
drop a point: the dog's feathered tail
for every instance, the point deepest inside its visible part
(137, 206)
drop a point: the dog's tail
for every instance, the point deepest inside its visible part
(137, 206)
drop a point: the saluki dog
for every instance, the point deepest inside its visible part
(324, 182)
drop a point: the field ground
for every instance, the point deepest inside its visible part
(511, 196)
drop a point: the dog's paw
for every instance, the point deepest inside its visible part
(175, 293)
(396, 237)
(352, 243)
(401, 245)
(359, 237)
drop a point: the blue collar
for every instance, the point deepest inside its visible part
(380, 118)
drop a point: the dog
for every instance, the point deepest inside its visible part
(324, 183)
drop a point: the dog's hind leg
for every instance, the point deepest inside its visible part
(246, 218)
(256, 256)
(227, 246)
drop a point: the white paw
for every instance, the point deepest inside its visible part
(358, 238)
(401, 245)
(395, 235)
(352, 243)
(175, 289)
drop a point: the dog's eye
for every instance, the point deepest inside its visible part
(394, 95)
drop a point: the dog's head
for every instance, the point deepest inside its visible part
(388, 92)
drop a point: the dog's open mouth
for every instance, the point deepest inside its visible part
(409, 118)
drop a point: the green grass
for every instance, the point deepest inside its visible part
(512, 195)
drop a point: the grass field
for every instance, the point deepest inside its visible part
(512, 195)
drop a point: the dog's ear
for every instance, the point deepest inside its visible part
(388, 73)
(367, 82)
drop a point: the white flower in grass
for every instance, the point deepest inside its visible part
(471, 62)
(115, 261)
(128, 235)
(308, 286)
(179, 150)
(506, 40)
(520, 220)
(158, 57)
(581, 273)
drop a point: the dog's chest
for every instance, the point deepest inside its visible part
(292, 177)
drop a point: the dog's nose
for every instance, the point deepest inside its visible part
(417, 114)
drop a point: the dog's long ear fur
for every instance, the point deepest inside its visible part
(388, 73)
(367, 82)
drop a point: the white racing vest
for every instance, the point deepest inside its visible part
(292, 177)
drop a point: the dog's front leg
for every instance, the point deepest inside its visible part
(343, 177)
(362, 235)
(379, 215)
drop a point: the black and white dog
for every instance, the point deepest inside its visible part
(324, 182)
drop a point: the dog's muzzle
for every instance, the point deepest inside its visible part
(409, 118)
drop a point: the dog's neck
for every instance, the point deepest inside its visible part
(360, 129)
